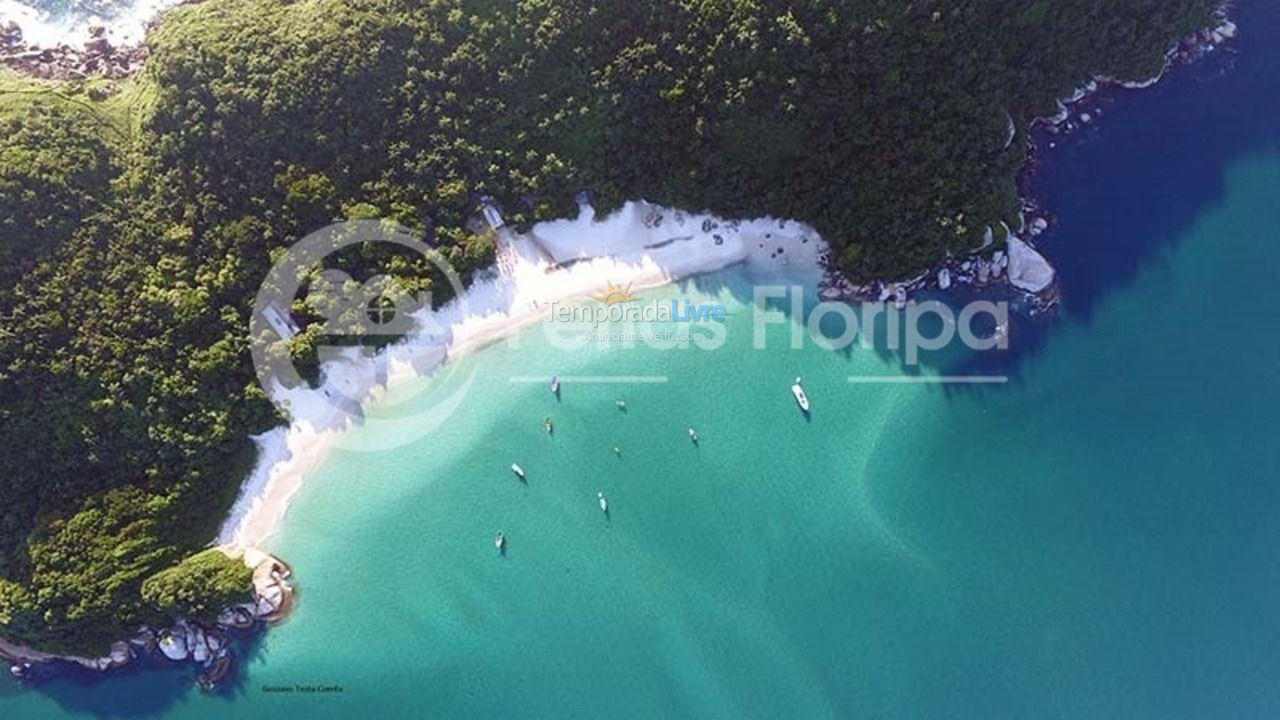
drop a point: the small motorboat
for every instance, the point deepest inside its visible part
(622, 404)
(693, 435)
(519, 471)
(617, 449)
(546, 425)
(604, 504)
(500, 541)
(218, 670)
(802, 399)
(555, 384)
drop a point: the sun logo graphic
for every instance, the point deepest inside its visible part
(614, 294)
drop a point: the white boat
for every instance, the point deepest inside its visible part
(604, 504)
(798, 390)
(519, 471)
(546, 425)
(622, 404)
(500, 540)
(555, 384)
(693, 435)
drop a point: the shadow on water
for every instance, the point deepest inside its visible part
(1130, 188)
(1126, 190)
(148, 687)
(143, 689)
(875, 333)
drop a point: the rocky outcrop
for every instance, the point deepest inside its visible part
(1028, 270)
(1079, 110)
(209, 647)
(187, 640)
(96, 58)
(173, 644)
(1023, 267)
(1224, 32)
(977, 272)
(23, 659)
(239, 617)
(271, 587)
(10, 36)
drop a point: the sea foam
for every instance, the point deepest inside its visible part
(48, 23)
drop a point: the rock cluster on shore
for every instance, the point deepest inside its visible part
(1019, 266)
(1028, 270)
(190, 641)
(1079, 110)
(96, 58)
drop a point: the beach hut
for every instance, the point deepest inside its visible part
(492, 216)
(280, 321)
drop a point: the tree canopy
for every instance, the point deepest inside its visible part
(130, 251)
(200, 586)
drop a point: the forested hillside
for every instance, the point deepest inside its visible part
(130, 249)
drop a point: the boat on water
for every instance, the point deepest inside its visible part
(604, 504)
(622, 404)
(208, 681)
(500, 541)
(546, 425)
(555, 384)
(693, 435)
(519, 471)
(802, 399)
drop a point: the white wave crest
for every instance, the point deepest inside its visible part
(49, 24)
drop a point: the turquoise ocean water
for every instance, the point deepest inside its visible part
(1095, 539)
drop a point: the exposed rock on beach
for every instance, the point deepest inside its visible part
(187, 641)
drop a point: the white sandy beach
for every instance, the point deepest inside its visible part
(641, 245)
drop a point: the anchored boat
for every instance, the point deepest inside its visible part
(604, 504)
(519, 471)
(802, 399)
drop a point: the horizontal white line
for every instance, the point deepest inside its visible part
(582, 379)
(930, 379)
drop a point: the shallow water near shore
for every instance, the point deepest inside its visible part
(1091, 540)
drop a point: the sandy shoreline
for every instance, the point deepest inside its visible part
(641, 245)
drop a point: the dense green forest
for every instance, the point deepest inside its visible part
(200, 586)
(135, 229)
